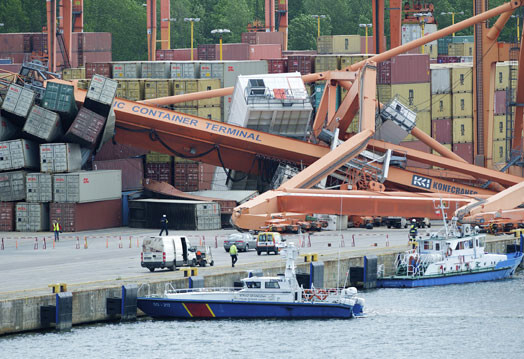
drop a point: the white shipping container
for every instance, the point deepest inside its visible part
(440, 79)
(92, 186)
(185, 70)
(17, 154)
(155, 69)
(60, 157)
(411, 32)
(32, 217)
(126, 70)
(43, 124)
(12, 186)
(18, 100)
(208, 209)
(208, 223)
(39, 187)
(7, 129)
(102, 89)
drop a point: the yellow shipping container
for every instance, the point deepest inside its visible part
(206, 85)
(156, 89)
(156, 157)
(415, 96)
(183, 160)
(326, 63)
(431, 49)
(83, 84)
(448, 146)
(211, 113)
(461, 78)
(78, 73)
(187, 110)
(67, 74)
(179, 88)
(440, 106)
(502, 76)
(354, 127)
(191, 86)
(462, 130)
(462, 104)
(348, 60)
(499, 151)
(461, 49)
(499, 127)
(338, 44)
(423, 123)
(130, 89)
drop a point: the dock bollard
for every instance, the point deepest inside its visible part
(44, 246)
(216, 241)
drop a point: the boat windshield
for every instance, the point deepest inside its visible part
(253, 284)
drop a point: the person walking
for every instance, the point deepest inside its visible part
(56, 230)
(413, 232)
(163, 225)
(233, 252)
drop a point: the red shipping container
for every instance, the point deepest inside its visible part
(444, 59)
(371, 44)
(288, 53)
(277, 66)
(402, 69)
(464, 150)
(176, 55)
(13, 42)
(115, 151)
(86, 128)
(265, 51)
(419, 146)
(7, 216)
(160, 172)
(98, 68)
(302, 64)
(500, 102)
(187, 176)
(211, 52)
(132, 171)
(258, 38)
(206, 175)
(15, 68)
(74, 217)
(442, 130)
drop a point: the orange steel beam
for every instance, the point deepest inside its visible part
(151, 30)
(434, 144)
(270, 15)
(78, 15)
(283, 25)
(395, 18)
(423, 157)
(377, 9)
(509, 6)
(165, 24)
(348, 108)
(51, 34)
(510, 198)
(66, 27)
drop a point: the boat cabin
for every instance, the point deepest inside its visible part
(449, 246)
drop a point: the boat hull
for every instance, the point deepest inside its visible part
(502, 270)
(187, 309)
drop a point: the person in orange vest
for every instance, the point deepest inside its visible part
(56, 229)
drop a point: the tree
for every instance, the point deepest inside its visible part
(303, 33)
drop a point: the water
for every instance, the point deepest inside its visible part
(479, 320)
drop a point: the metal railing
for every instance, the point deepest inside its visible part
(270, 98)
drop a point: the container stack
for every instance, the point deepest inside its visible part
(454, 49)
(462, 110)
(159, 167)
(505, 72)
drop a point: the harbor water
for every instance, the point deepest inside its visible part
(479, 320)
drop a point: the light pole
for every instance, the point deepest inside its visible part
(192, 20)
(518, 26)
(452, 17)
(220, 32)
(422, 21)
(318, 17)
(366, 26)
(168, 40)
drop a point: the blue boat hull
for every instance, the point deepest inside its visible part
(186, 309)
(504, 269)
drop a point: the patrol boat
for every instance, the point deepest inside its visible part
(260, 297)
(453, 255)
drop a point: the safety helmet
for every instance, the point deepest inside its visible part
(413, 220)
(163, 215)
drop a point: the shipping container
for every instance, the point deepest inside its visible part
(60, 98)
(462, 130)
(127, 70)
(185, 70)
(441, 106)
(338, 44)
(18, 101)
(43, 124)
(402, 69)
(502, 75)
(115, 151)
(32, 217)
(12, 186)
(7, 216)
(102, 90)
(79, 187)
(39, 187)
(431, 49)
(176, 54)
(461, 78)
(207, 85)
(18, 154)
(440, 79)
(303, 64)
(257, 38)
(156, 88)
(76, 217)
(210, 113)
(74, 73)
(86, 128)
(435, 152)
(326, 63)
(461, 49)
(192, 111)
(441, 130)
(410, 32)
(7, 130)
(161, 172)
(462, 105)
(423, 123)
(60, 157)
(187, 176)
(155, 70)
(157, 157)
(347, 60)
(500, 102)
(499, 151)
(205, 178)
(415, 96)
(265, 51)
(277, 66)
(499, 127)
(130, 89)
(445, 59)
(464, 150)
(419, 146)
(132, 171)
(182, 214)
(99, 68)
(210, 52)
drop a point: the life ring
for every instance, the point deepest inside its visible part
(308, 294)
(449, 252)
(321, 294)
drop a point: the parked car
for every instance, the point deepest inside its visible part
(243, 241)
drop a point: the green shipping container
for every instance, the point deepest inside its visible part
(60, 98)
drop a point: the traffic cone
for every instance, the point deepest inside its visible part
(130, 246)
(308, 240)
(387, 240)
(107, 242)
(45, 245)
(342, 243)
(216, 241)
(137, 243)
(353, 241)
(85, 242)
(77, 242)
(120, 242)
(2, 248)
(17, 244)
(36, 243)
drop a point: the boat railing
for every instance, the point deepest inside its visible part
(412, 264)
(320, 295)
(172, 290)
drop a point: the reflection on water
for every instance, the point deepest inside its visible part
(479, 320)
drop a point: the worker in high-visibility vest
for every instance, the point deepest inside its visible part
(163, 225)
(413, 231)
(233, 252)
(56, 230)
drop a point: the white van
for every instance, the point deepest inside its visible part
(166, 252)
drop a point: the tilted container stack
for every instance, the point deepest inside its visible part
(60, 157)
(39, 187)
(32, 217)
(43, 125)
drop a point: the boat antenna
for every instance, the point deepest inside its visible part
(442, 206)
